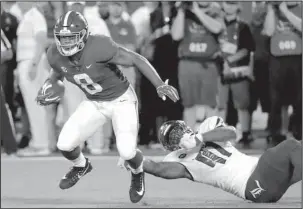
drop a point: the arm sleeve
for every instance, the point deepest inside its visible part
(51, 60)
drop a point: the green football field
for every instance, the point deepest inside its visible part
(33, 183)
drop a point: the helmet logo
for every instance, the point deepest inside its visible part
(183, 155)
(65, 30)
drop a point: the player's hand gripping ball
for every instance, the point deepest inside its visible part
(50, 93)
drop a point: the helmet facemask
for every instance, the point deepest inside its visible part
(70, 43)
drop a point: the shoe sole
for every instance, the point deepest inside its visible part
(138, 200)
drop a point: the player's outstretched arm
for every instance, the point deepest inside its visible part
(166, 170)
(127, 57)
(215, 129)
(220, 134)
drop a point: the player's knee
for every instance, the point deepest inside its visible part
(126, 145)
(66, 143)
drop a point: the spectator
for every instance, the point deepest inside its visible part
(31, 47)
(9, 24)
(197, 27)
(142, 23)
(51, 11)
(260, 87)
(123, 32)
(141, 20)
(103, 9)
(7, 126)
(16, 10)
(96, 24)
(237, 44)
(165, 60)
(7, 136)
(152, 23)
(283, 24)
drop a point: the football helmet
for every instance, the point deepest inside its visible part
(171, 133)
(71, 33)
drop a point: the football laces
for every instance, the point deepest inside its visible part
(45, 87)
(52, 99)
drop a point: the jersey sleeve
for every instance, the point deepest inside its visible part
(52, 60)
(170, 158)
(107, 48)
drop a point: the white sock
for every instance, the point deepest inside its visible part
(80, 161)
(137, 170)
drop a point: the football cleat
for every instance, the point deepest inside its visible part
(137, 188)
(74, 175)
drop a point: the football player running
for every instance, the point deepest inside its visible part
(208, 157)
(90, 62)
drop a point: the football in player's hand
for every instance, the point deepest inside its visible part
(52, 91)
(56, 89)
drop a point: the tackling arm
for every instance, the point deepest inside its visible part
(212, 129)
(166, 170)
(220, 134)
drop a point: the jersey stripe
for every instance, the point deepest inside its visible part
(66, 18)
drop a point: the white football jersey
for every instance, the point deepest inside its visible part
(221, 166)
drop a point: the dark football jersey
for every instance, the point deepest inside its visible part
(94, 75)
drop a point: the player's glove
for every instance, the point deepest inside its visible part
(45, 96)
(167, 90)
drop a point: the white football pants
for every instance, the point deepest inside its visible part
(92, 115)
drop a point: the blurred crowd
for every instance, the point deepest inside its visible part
(221, 65)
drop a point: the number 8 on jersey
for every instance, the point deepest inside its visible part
(87, 83)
